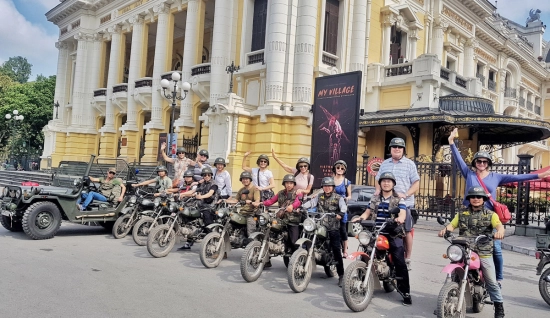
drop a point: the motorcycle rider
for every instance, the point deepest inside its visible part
(200, 163)
(478, 220)
(253, 197)
(110, 188)
(222, 178)
(331, 202)
(290, 201)
(186, 185)
(181, 163)
(381, 204)
(163, 182)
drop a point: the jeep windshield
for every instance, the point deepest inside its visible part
(67, 171)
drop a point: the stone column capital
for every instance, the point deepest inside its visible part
(441, 24)
(413, 34)
(161, 8)
(389, 19)
(114, 29)
(473, 43)
(61, 45)
(136, 20)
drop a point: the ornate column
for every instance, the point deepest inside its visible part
(79, 89)
(469, 58)
(113, 78)
(189, 59)
(501, 83)
(438, 38)
(221, 50)
(275, 51)
(304, 56)
(92, 80)
(413, 40)
(388, 20)
(159, 66)
(357, 54)
(61, 82)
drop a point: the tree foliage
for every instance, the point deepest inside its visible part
(17, 68)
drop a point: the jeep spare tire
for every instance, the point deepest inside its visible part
(10, 225)
(41, 220)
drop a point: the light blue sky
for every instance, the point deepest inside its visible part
(25, 31)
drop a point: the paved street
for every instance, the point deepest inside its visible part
(84, 272)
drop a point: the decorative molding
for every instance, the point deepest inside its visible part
(136, 20)
(161, 8)
(63, 30)
(75, 24)
(61, 45)
(420, 2)
(530, 84)
(131, 6)
(235, 131)
(104, 19)
(457, 18)
(114, 29)
(488, 57)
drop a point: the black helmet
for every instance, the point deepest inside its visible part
(245, 175)
(327, 181)
(302, 160)
(339, 162)
(475, 191)
(397, 142)
(482, 154)
(180, 149)
(262, 157)
(203, 152)
(162, 168)
(289, 178)
(206, 170)
(219, 160)
(189, 173)
(387, 175)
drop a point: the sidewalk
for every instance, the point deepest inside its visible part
(519, 244)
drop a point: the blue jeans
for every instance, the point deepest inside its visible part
(498, 259)
(488, 269)
(90, 196)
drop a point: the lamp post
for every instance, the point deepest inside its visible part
(56, 105)
(232, 69)
(13, 120)
(173, 96)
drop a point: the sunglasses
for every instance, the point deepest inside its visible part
(263, 161)
(302, 166)
(482, 161)
(476, 197)
(179, 153)
(340, 168)
(397, 147)
(112, 172)
(207, 175)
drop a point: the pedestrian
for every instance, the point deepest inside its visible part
(481, 166)
(343, 188)
(304, 179)
(407, 184)
(222, 178)
(262, 177)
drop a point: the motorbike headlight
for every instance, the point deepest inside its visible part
(172, 206)
(133, 199)
(364, 237)
(221, 213)
(262, 220)
(156, 202)
(309, 225)
(455, 253)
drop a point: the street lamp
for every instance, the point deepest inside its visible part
(13, 120)
(56, 105)
(173, 95)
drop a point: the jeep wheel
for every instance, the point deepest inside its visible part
(41, 220)
(10, 225)
(107, 225)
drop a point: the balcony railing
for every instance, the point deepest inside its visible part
(510, 92)
(530, 105)
(481, 78)
(256, 57)
(537, 110)
(144, 83)
(200, 69)
(491, 85)
(168, 75)
(329, 59)
(444, 73)
(120, 88)
(100, 92)
(460, 81)
(521, 101)
(398, 69)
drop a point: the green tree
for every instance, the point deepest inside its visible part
(17, 68)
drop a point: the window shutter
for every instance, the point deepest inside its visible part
(331, 26)
(259, 25)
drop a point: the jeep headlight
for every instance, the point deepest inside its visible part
(364, 237)
(75, 182)
(309, 225)
(454, 253)
(5, 192)
(18, 193)
(156, 202)
(133, 199)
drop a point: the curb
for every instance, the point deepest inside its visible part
(518, 249)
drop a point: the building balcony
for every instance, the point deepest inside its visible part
(537, 110)
(521, 101)
(541, 145)
(530, 106)
(491, 85)
(100, 94)
(481, 78)
(329, 59)
(398, 69)
(144, 82)
(142, 92)
(510, 92)
(168, 75)
(200, 81)
(99, 101)
(120, 96)
(255, 57)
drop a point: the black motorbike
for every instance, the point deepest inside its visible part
(543, 255)
(138, 206)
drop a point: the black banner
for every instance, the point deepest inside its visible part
(335, 124)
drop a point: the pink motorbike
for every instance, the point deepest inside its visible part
(464, 285)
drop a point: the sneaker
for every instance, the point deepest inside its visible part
(407, 300)
(268, 264)
(340, 281)
(408, 262)
(187, 246)
(225, 255)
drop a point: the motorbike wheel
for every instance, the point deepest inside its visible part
(330, 271)
(447, 302)
(251, 265)
(286, 260)
(356, 297)
(388, 287)
(119, 229)
(544, 285)
(210, 257)
(298, 276)
(141, 230)
(161, 240)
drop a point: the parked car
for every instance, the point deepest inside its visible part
(360, 201)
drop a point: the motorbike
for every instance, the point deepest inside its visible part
(464, 285)
(314, 249)
(230, 233)
(143, 227)
(137, 207)
(184, 221)
(543, 255)
(268, 242)
(372, 264)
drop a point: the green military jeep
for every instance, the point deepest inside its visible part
(39, 210)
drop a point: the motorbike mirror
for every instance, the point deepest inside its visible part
(395, 211)
(137, 171)
(440, 220)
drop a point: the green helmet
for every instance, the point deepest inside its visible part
(206, 170)
(482, 154)
(189, 173)
(262, 157)
(302, 160)
(339, 162)
(387, 175)
(327, 181)
(397, 142)
(180, 149)
(162, 168)
(245, 175)
(477, 191)
(203, 152)
(289, 178)
(219, 160)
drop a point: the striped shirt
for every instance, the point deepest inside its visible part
(405, 175)
(383, 210)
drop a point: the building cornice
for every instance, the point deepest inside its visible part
(68, 7)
